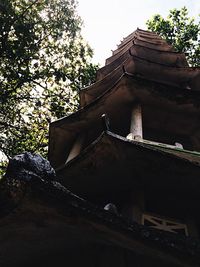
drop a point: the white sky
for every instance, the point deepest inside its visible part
(106, 22)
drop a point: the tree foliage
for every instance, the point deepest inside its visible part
(44, 62)
(181, 31)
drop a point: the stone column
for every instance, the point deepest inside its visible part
(136, 122)
(76, 148)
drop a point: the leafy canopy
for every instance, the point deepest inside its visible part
(181, 31)
(44, 62)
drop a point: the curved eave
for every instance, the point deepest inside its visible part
(180, 77)
(114, 160)
(125, 41)
(128, 88)
(101, 86)
(167, 58)
(144, 47)
(121, 52)
(149, 38)
(46, 224)
(151, 43)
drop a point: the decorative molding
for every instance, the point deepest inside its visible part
(160, 223)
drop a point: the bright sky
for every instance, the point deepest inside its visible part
(106, 22)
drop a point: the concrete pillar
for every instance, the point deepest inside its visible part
(76, 148)
(136, 122)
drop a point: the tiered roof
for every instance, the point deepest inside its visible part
(147, 56)
(143, 68)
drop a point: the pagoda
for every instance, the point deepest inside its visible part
(144, 157)
(128, 170)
